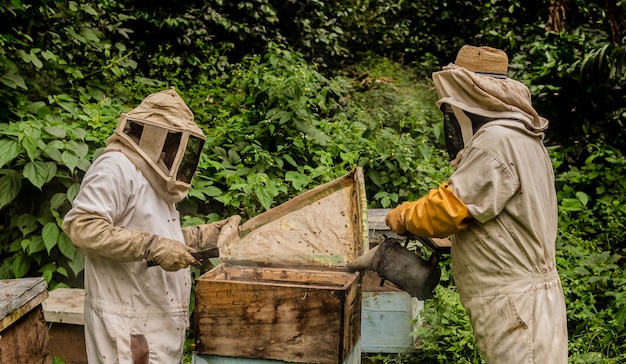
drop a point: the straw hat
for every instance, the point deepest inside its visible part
(485, 60)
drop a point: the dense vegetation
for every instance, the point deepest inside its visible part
(292, 94)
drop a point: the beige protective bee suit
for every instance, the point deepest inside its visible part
(500, 208)
(124, 217)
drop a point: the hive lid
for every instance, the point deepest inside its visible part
(323, 227)
(20, 296)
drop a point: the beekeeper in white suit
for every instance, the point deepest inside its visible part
(123, 218)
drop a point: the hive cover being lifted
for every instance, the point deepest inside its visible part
(323, 227)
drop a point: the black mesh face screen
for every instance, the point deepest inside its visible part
(452, 130)
(190, 160)
(134, 130)
(170, 148)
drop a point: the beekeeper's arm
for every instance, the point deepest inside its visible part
(478, 190)
(439, 214)
(206, 236)
(89, 224)
(94, 236)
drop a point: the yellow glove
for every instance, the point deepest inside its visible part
(439, 214)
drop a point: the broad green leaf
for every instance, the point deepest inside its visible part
(211, 191)
(582, 271)
(72, 32)
(15, 246)
(10, 186)
(62, 271)
(80, 148)
(30, 145)
(374, 176)
(89, 10)
(13, 80)
(47, 275)
(264, 196)
(21, 265)
(47, 271)
(56, 131)
(47, 55)
(298, 180)
(50, 235)
(90, 34)
(36, 245)
(58, 200)
(290, 160)
(48, 268)
(83, 164)
(25, 243)
(79, 133)
(53, 153)
(9, 150)
(5, 269)
(77, 264)
(571, 204)
(39, 173)
(65, 246)
(72, 191)
(582, 197)
(66, 102)
(27, 223)
(70, 159)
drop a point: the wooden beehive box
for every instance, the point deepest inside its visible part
(64, 314)
(23, 331)
(282, 291)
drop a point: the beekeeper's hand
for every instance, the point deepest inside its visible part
(439, 214)
(205, 236)
(170, 254)
(229, 233)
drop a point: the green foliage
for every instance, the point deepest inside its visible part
(590, 253)
(444, 332)
(42, 157)
(591, 198)
(280, 128)
(593, 283)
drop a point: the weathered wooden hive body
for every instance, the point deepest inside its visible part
(282, 291)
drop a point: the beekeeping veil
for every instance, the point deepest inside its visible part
(161, 139)
(475, 90)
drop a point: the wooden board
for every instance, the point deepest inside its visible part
(353, 358)
(23, 330)
(18, 297)
(294, 315)
(65, 305)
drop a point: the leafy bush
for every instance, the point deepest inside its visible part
(279, 127)
(42, 157)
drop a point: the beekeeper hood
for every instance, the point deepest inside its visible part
(475, 90)
(161, 139)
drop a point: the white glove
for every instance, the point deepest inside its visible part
(206, 236)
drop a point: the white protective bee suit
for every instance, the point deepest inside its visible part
(124, 217)
(500, 209)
